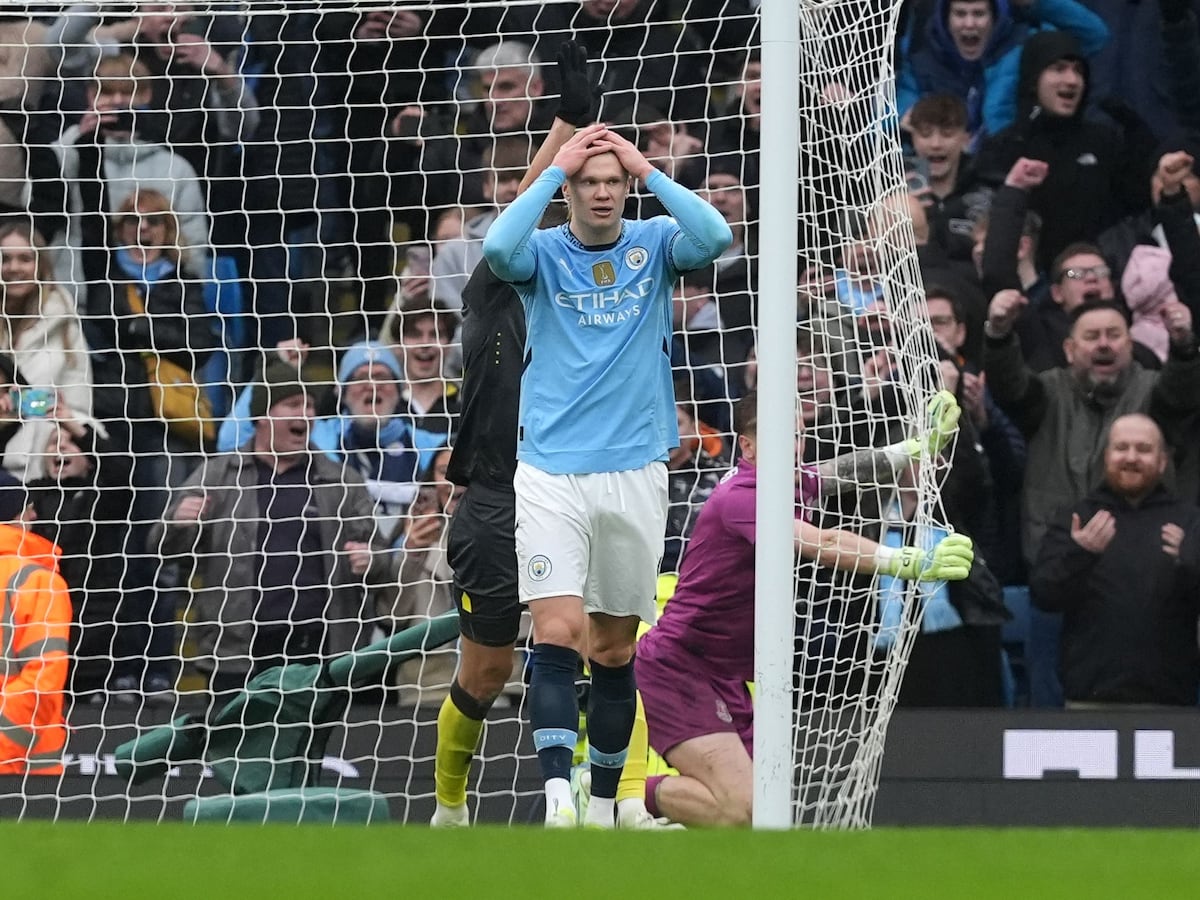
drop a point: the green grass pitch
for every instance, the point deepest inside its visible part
(103, 860)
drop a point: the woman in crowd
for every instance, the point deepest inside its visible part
(41, 331)
(150, 332)
(150, 312)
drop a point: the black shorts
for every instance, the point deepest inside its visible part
(483, 554)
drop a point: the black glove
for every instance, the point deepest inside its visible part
(580, 99)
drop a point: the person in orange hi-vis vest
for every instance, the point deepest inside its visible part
(35, 626)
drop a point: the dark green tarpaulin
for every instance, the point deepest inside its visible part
(273, 734)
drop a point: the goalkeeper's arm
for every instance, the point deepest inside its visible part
(949, 560)
(883, 466)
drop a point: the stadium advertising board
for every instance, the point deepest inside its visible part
(940, 768)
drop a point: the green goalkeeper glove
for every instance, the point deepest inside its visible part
(949, 560)
(944, 412)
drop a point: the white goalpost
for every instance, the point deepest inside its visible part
(196, 195)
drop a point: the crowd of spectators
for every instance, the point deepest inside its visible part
(341, 164)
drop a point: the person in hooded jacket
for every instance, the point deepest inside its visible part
(1096, 174)
(372, 435)
(973, 49)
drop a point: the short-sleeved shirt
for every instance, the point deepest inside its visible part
(711, 614)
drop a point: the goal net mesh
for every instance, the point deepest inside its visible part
(193, 195)
(868, 365)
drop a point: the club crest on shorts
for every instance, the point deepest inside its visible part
(604, 274)
(635, 257)
(723, 712)
(539, 568)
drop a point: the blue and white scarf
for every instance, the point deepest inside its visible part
(934, 596)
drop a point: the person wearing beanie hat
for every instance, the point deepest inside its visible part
(238, 427)
(373, 434)
(285, 542)
(368, 353)
(280, 381)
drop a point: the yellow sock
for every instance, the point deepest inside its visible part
(457, 740)
(633, 776)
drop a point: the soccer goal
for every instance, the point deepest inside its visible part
(195, 196)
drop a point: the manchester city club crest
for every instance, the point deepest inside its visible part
(635, 257)
(539, 568)
(604, 274)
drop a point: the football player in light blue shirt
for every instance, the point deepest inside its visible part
(597, 421)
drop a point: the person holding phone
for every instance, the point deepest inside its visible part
(41, 330)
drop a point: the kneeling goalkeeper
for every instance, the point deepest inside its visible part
(693, 666)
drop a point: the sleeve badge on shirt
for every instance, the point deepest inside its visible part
(635, 257)
(604, 274)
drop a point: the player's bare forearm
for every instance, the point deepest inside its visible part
(852, 470)
(835, 549)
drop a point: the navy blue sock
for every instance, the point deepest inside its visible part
(612, 707)
(554, 708)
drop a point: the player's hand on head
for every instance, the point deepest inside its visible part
(632, 159)
(579, 149)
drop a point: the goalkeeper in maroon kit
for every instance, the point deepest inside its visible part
(694, 665)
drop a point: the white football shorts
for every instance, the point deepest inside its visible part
(597, 536)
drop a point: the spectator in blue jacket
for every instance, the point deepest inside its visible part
(972, 48)
(373, 435)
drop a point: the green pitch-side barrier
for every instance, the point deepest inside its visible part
(266, 744)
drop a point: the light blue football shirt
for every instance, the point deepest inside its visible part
(597, 392)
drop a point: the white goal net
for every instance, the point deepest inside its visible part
(195, 198)
(869, 363)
